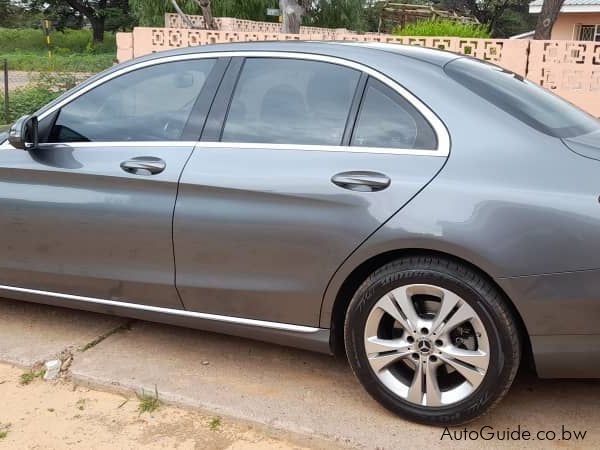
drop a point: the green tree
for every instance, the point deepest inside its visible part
(19, 15)
(350, 14)
(150, 13)
(102, 15)
(493, 13)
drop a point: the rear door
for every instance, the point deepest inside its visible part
(303, 157)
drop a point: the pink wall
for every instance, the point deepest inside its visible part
(565, 24)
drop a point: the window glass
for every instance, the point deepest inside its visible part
(522, 99)
(149, 104)
(290, 101)
(386, 119)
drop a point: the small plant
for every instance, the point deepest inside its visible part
(148, 403)
(80, 404)
(214, 424)
(4, 430)
(27, 377)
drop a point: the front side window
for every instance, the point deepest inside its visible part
(386, 119)
(148, 104)
(521, 98)
(290, 101)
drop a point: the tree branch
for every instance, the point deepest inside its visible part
(183, 15)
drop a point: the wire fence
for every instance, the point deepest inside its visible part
(6, 94)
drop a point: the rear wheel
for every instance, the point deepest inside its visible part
(432, 340)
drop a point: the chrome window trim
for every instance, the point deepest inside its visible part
(440, 129)
(119, 144)
(175, 312)
(245, 145)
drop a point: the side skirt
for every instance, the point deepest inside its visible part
(299, 336)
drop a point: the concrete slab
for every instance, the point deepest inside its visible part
(31, 334)
(311, 393)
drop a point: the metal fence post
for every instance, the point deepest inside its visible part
(6, 91)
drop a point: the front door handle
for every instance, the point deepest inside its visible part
(361, 181)
(144, 165)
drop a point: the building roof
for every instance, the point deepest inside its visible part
(569, 6)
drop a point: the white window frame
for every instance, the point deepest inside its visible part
(596, 32)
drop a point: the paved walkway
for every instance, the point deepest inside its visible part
(281, 387)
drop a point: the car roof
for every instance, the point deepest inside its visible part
(344, 49)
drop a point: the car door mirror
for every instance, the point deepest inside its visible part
(23, 134)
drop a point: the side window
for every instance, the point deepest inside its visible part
(386, 119)
(290, 101)
(148, 104)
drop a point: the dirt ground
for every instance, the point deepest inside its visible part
(56, 415)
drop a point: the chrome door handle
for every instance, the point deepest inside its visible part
(144, 165)
(361, 181)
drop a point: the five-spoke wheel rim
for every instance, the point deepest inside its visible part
(427, 345)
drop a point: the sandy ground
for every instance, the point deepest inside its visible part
(60, 415)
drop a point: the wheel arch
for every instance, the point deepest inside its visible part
(363, 270)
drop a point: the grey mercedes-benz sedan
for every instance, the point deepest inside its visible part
(433, 217)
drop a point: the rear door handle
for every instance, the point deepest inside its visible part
(144, 165)
(361, 181)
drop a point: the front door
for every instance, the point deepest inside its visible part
(89, 212)
(313, 157)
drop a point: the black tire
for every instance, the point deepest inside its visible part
(489, 304)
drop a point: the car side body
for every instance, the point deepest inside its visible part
(255, 240)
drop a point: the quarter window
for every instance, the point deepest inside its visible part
(386, 119)
(290, 101)
(149, 104)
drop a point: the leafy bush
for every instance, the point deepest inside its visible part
(56, 81)
(443, 28)
(26, 101)
(72, 41)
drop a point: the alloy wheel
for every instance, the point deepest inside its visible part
(427, 345)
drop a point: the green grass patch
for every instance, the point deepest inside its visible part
(72, 50)
(447, 28)
(28, 377)
(148, 403)
(61, 43)
(40, 62)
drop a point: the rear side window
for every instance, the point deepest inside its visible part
(522, 99)
(386, 119)
(290, 101)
